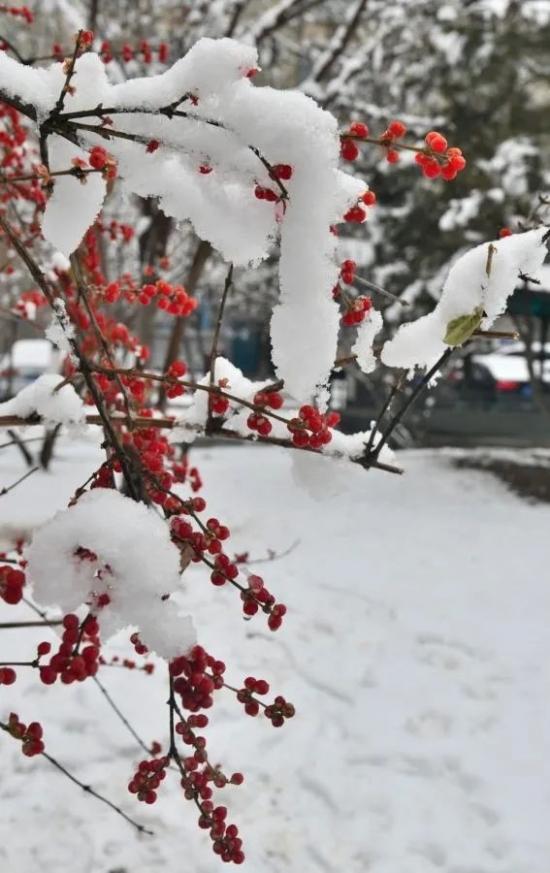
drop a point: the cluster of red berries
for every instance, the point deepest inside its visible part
(192, 682)
(209, 540)
(256, 596)
(12, 582)
(12, 136)
(312, 428)
(217, 403)
(99, 159)
(127, 664)
(395, 130)
(173, 299)
(69, 663)
(440, 160)
(30, 736)
(258, 421)
(279, 172)
(276, 712)
(183, 472)
(262, 193)
(18, 12)
(348, 270)
(175, 371)
(28, 303)
(279, 710)
(357, 214)
(359, 131)
(357, 308)
(140, 648)
(116, 230)
(348, 146)
(437, 159)
(225, 838)
(147, 778)
(245, 695)
(282, 172)
(144, 51)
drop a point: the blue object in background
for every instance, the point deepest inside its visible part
(246, 348)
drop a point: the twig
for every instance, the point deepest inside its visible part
(216, 337)
(58, 108)
(426, 379)
(272, 556)
(120, 715)
(397, 385)
(381, 290)
(22, 478)
(16, 625)
(87, 788)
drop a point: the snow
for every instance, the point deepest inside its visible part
(362, 346)
(135, 564)
(73, 205)
(60, 329)
(232, 118)
(192, 421)
(482, 279)
(416, 656)
(46, 399)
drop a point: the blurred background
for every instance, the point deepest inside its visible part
(478, 70)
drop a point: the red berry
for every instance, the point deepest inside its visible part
(397, 129)
(349, 150)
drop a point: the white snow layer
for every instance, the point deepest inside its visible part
(62, 406)
(362, 347)
(136, 566)
(234, 127)
(477, 279)
(73, 205)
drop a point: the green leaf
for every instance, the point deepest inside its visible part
(460, 329)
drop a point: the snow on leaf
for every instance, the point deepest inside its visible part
(461, 328)
(477, 282)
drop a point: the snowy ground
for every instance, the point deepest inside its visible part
(416, 652)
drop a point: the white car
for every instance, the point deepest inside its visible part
(503, 371)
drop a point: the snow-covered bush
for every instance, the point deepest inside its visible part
(251, 168)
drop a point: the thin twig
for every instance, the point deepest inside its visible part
(87, 788)
(120, 715)
(22, 478)
(216, 337)
(426, 379)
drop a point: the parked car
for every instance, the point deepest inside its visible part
(503, 371)
(23, 363)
